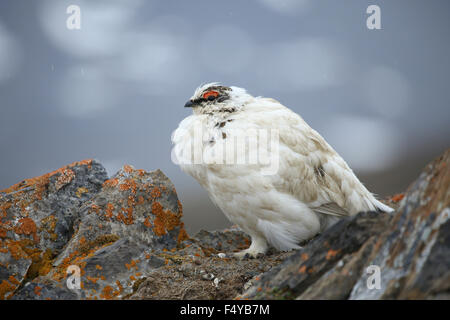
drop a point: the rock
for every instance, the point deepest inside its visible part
(309, 265)
(123, 238)
(410, 249)
(228, 240)
(37, 219)
(197, 271)
(134, 214)
(414, 253)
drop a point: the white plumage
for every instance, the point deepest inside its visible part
(312, 188)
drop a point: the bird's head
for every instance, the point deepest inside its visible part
(214, 98)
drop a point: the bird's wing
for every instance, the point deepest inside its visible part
(311, 171)
(332, 209)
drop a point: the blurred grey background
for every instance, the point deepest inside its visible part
(115, 89)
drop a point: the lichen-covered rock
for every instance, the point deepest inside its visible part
(37, 217)
(126, 238)
(134, 214)
(316, 259)
(410, 248)
(414, 253)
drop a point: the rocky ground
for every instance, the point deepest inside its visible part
(126, 238)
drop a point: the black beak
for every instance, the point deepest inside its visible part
(189, 104)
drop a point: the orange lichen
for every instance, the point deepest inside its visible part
(141, 200)
(111, 183)
(302, 269)
(127, 185)
(165, 220)
(147, 222)
(13, 280)
(132, 264)
(96, 208)
(37, 290)
(6, 287)
(109, 210)
(119, 285)
(78, 257)
(39, 184)
(27, 227)
(41, 261)
(98, 267)
(3, 209)
(65, 178)
(107, 293)
(331, 254)
(120, 217)
(15, 248)
(159, 228)
(155, 193)
(304, 256)
(89, 247)
(397, 197)
(92, 279)
(131, 201)
(48, 224)
(182, 235)
(128, 219)
(128, 169)
(82, 241)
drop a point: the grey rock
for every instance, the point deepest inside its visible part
(410, 249)
(228, 240)
(135, 214)
(414, 253)
(296, 274)
(127, 238)
(37, 218)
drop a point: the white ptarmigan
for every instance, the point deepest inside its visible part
(311, 189)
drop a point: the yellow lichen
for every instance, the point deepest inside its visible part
(81, 191)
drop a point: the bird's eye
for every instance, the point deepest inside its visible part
(210, 95)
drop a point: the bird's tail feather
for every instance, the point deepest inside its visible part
(381, 206)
